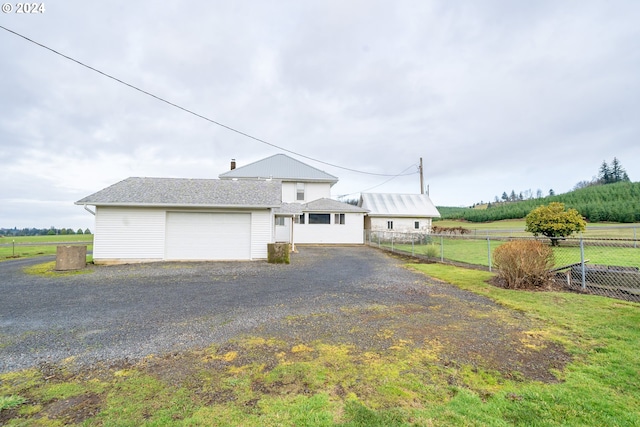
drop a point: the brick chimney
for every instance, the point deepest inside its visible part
(233, 164)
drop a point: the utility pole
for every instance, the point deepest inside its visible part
(421, 178)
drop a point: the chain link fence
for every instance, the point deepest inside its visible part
(608, 267)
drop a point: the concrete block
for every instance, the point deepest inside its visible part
(71, 257)
(278, 253)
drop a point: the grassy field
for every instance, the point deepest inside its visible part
(515, 227)
(258, 381)
(29, 246)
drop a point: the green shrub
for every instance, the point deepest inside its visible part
(432, 251)
(524, 264)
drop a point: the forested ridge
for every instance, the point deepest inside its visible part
(617, 202)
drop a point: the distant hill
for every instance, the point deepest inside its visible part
(619, 202)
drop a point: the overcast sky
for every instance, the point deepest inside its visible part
(493, 95)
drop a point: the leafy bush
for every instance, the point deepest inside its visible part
(554, 221)
(524, 264)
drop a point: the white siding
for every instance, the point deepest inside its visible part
(261, 233)
(402, 225)
(313, 191)
(129, 234)
(351, 232)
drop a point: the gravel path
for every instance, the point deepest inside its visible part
(123, 313)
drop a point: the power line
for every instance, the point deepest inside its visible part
(190, 111)
(383, 183)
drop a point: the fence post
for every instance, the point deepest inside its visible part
(584, 272)
(489, 252)
(441, 249)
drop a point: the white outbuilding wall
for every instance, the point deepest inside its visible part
(402, 225)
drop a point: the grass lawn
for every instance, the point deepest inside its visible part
(515, 228)
(30, 246)
(258, 381)
(476, 251)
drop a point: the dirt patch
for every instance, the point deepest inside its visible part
(74, 409)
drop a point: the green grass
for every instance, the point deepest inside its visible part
(47, 269)
(515, 228)
(476, 252)
(30, 246)
(262, 381)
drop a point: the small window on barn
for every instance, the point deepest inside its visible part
(300, 219)
(319, 218)
(416, 225)
(279, 220)
(389, 225)
(339, 219)
(300, 191)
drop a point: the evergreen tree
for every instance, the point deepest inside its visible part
(604, 176)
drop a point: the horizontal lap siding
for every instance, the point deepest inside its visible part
(262, 233)
(351, 232)
(129, 233)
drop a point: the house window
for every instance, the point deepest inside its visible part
(299, 219)
(416, 225)
(339, 219)
(279, 220)
(318, 218)
(300, 191)
(389, 225)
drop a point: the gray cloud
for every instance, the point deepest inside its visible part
(494, 96)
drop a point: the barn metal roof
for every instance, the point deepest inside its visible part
(399, 205)
(137, 191)
(280, 166)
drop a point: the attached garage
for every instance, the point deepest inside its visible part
(208, 236)
(154, 219)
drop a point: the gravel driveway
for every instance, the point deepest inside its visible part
(123, 313)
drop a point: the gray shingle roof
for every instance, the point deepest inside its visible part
(330, 205)
(399, 205)
(188, 192)
(280, 166)
(320, 205)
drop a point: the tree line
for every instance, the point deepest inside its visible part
(619, 202)
(609, 196)
(51, 231)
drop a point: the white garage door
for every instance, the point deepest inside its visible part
(208, 236)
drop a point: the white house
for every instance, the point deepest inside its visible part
(308, 215)
(154, 219)
(278, 199)
(398, 212)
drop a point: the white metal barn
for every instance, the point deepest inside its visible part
(154, 219)
(398, 212)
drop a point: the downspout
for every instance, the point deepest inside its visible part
(293, 245)
(89, 210)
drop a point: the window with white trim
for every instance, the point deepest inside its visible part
(280, 220)
(389, 225)
(339, 219)
(319, 218)
(416, 225)
(300, 191)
